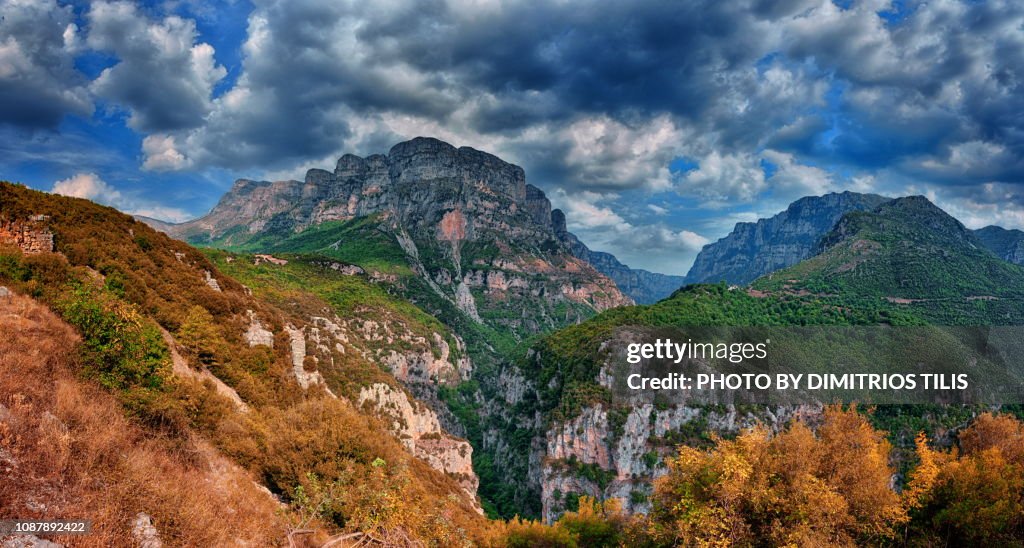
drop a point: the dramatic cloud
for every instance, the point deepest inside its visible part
(597, 96)
(728, 107)
(724, 179)
(792, 180)
(38, 80)
(161, 154)
(88, 186)
(163, 76)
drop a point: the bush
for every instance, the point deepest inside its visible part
(791, 488)
(973, 497)
(121, 348)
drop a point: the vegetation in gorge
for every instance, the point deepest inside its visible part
(828, 485)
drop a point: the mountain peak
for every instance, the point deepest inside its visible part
(1007, 244)
(754, 249)
(904, 250)
(920, 210)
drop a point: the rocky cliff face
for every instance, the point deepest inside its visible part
(643, 286)
(418, 428)
(1008, 245)
(468, 223)
(752, 250)
(617, 449)
(601, 457)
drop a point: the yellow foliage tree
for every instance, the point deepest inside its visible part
(198, 335)
(796, 488)
(974, 496)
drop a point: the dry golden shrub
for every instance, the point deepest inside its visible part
(67, 451)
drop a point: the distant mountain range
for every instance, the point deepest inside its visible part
(752, 250)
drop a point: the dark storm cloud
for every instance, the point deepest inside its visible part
(515, 75)
(589, 96)
(38, 81)
(607, 58)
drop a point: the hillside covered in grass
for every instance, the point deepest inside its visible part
(201, 365)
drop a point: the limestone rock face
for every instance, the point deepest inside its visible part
(418, 428)
(752, 250)
(257, 334)
(211, 281)
(303, 376)
(629, 457)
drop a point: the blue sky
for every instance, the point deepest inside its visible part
(656, 126)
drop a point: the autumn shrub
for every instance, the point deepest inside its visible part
(199, 337)
(121, 348)
(595, 523)
(796, 487)
(974, 496)
(519, 533)
(324, 446)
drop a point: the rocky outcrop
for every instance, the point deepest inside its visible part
(752, 250)
(1008, 245)
(303, 366)
(256, 334)
(211, 281)
(31, 235)
(413, 358)
(419, 429)
(144, 533)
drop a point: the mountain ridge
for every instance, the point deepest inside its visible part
(751, 250)
(379, 183)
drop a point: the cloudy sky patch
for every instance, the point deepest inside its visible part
(655, 125)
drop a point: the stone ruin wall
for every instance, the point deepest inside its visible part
(32, 236)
